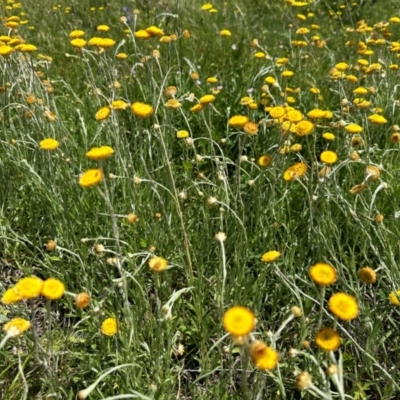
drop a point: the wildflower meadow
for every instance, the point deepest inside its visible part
(199, 200)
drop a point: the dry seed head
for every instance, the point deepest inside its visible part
(332, 370)
(303, 381)
(132, 218)
(296, 311)
(51, 245)
(98, 248)
(220, 237)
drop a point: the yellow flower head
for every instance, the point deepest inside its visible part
(394, 298)
(212, 79)
(105, 43)
(10, 297)
(328, 136)
(197, 108)
(277, 112)
(78, 43)
(343, 306)
(264, 357)
(173, 104)
(103, 28)
(109, 327)
(119, 105)
(76, 34)
(327, 339)
(182, 134)
(377, 119)
(29, 288)
(360, 91)
(250, 128)
(328, 157)
(294, 116)
(206, 99)
(287, 74)
(372, 173)
(238, 321)
(353, 128)
(53, 289)
(316, 113)
(103, 113)
(82, 300)
(142, 110)
(367, 275)
(154, 31)
(142, 34)
(16, 327)
(270, 256)
(99, 153)
(322, 274)
(48, 144)
(342, 66)
(225, 32)
(158, 264)
(294, 172)
(122, 56)
(91, 177)
(5, 50)
(238, 121)
(304, 128)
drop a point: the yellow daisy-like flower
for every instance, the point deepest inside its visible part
(76, 34)
(182, 134)
(250, 128)
(294, 116)
(119, 105)
(103, 28)
(197, 108)
(53, 289)
(353, 128)
(212, 79)
(103, 113)
(342, 66)
(99, 153)
(394, 298)
(328, 157)
(5, 50)
(27, 48)
(10, 297)
(48, 144)
(264, 357)
(287, 74)
(316, 113)
(206, 99)
(225, 32)
(271, 80)
(360, 91)
(238, 321)
(277, 112)
(173, 104)
(377, 119)
(327, 339)
(367, 275)
(142, 110)
(109, 327)
(16, 327)
(29, 288)
(270, 256)
(91, 177)
(322, 274)
(142, 34)
(78, 43)
(343, 306)
(105, 43)
(238, 121)
(155, 31)
(264, 160)
(122, 56)
(295, 171)
(328, 136)
(304, 128)
(295, 148)
(158, 264)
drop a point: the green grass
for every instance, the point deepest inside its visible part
(167, 182)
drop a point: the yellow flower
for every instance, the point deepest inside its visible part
(29, 288)
(367, 275)
(360, 91)
(238, 321)
(212, 79)
(316, 113)
(342, 66)
(277, 112)
(295, 148)
(294, 172)
(238, 121)
(353, 128)
(302, 31)
(109, 327)
(372, 173)
(225, 32)
(322, 274)
(304, 128)
(343, 306)
(294, 116)
(82, 300)
(91, 177)
(197, 108)
(165, 39)
(182, 134)
(271, 80)
(264, 357)
(142, 110)
(208, 98)
(206, 6)
(105, 43)
(173, 104)
(10, 297)
(328, 136)
(287, 74)
(142, 34)
(27, 48)
(394, 298)
(327, 339)
(270, 256)
(119, 105)
(78, 43)
(250, 128)
(377, 119)
(154, 31)
(53, 289)
(99, 153)
(264, 160)
(328, 157)
(76, 34)
(122, 56)
(158, 264)
(48, 144)
(103, 113)
(5, 50)
(16, 327)
(103, 28)
(259, 55)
